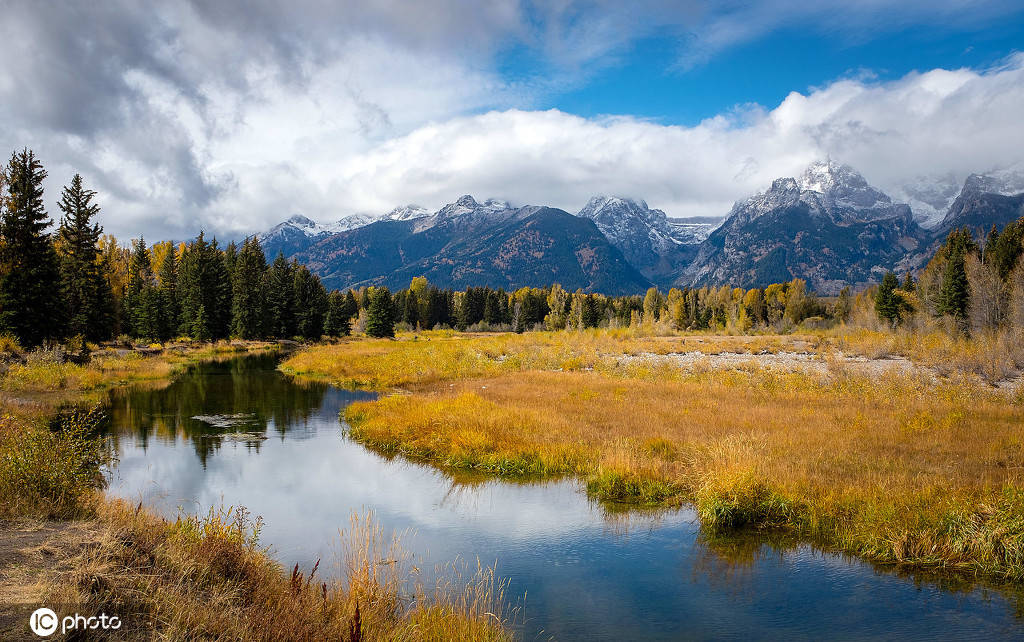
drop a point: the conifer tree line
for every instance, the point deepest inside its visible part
(77, 282)
(975, 286)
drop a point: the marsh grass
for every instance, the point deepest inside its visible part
(994, 356)
(896, 467)
(206, 577)
(430, 357)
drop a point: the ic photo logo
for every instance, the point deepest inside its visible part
(44, 622)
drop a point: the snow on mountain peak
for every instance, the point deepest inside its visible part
(407, 212)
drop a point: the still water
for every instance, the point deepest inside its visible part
(577, 570)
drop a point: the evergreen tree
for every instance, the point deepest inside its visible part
(248, 307)
(30, 306)
(141, 302)
(310, 304)
(844, 304)
(204, 282)
(338, 321)
(281, 298)
(1007, 249)
(351, 308)
(410, 309)
(909, 285)
(85, 292)
(218, 270)
(380, 321)
(200, 330)
(954, 295)
(889, 304)
(168, 294)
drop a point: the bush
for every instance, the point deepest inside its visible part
(52, 473)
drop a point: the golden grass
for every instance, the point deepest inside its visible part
(895, 467)
(207, 578)
(994, 356)
(442, 356)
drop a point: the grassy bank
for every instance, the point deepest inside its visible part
(207, 578)
(192, 578)
(901, 468)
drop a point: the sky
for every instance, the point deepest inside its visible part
(230, 116)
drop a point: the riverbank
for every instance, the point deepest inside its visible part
(64, 544)
(904, 461)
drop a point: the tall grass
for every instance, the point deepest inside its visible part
(51, 473)
(207, 578)
(431, 357)
(995, 356)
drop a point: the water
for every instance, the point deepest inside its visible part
(587, 573)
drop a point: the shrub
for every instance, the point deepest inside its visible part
(52, 473)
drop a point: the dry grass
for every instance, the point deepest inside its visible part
(207, 578)
(429, 357)
(896, 468)
(994, 356)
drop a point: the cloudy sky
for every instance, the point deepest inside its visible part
(230, 116)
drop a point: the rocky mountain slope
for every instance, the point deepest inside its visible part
(983, 201)
(828, 226)
(469, 243)
(657, 246)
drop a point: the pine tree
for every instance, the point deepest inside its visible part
(954, 295)
(351, 305)
(889, 305)
(380, 320)
(168, 294)
(141, 298)
(86, 293)
(200, 329)
(310, 304)
(30, 306)
(281, 298)
(909, 285)
(248, 309)
(337, 322)
(219, 292)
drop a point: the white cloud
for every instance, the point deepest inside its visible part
(231, 118)
(938, 122)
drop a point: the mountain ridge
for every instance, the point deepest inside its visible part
(827, 225)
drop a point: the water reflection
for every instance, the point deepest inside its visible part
(243, 386)
(586, 572)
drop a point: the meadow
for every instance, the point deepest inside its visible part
(919, 467)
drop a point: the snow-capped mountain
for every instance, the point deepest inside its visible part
(655, 244)
(931, 197)
(994, 198)
(299, 232)
(693, 230)
(406, 213)
(826, 189)
(828, 226)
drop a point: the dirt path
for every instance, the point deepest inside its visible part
(29, 551)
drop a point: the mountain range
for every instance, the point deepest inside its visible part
(827, 226)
